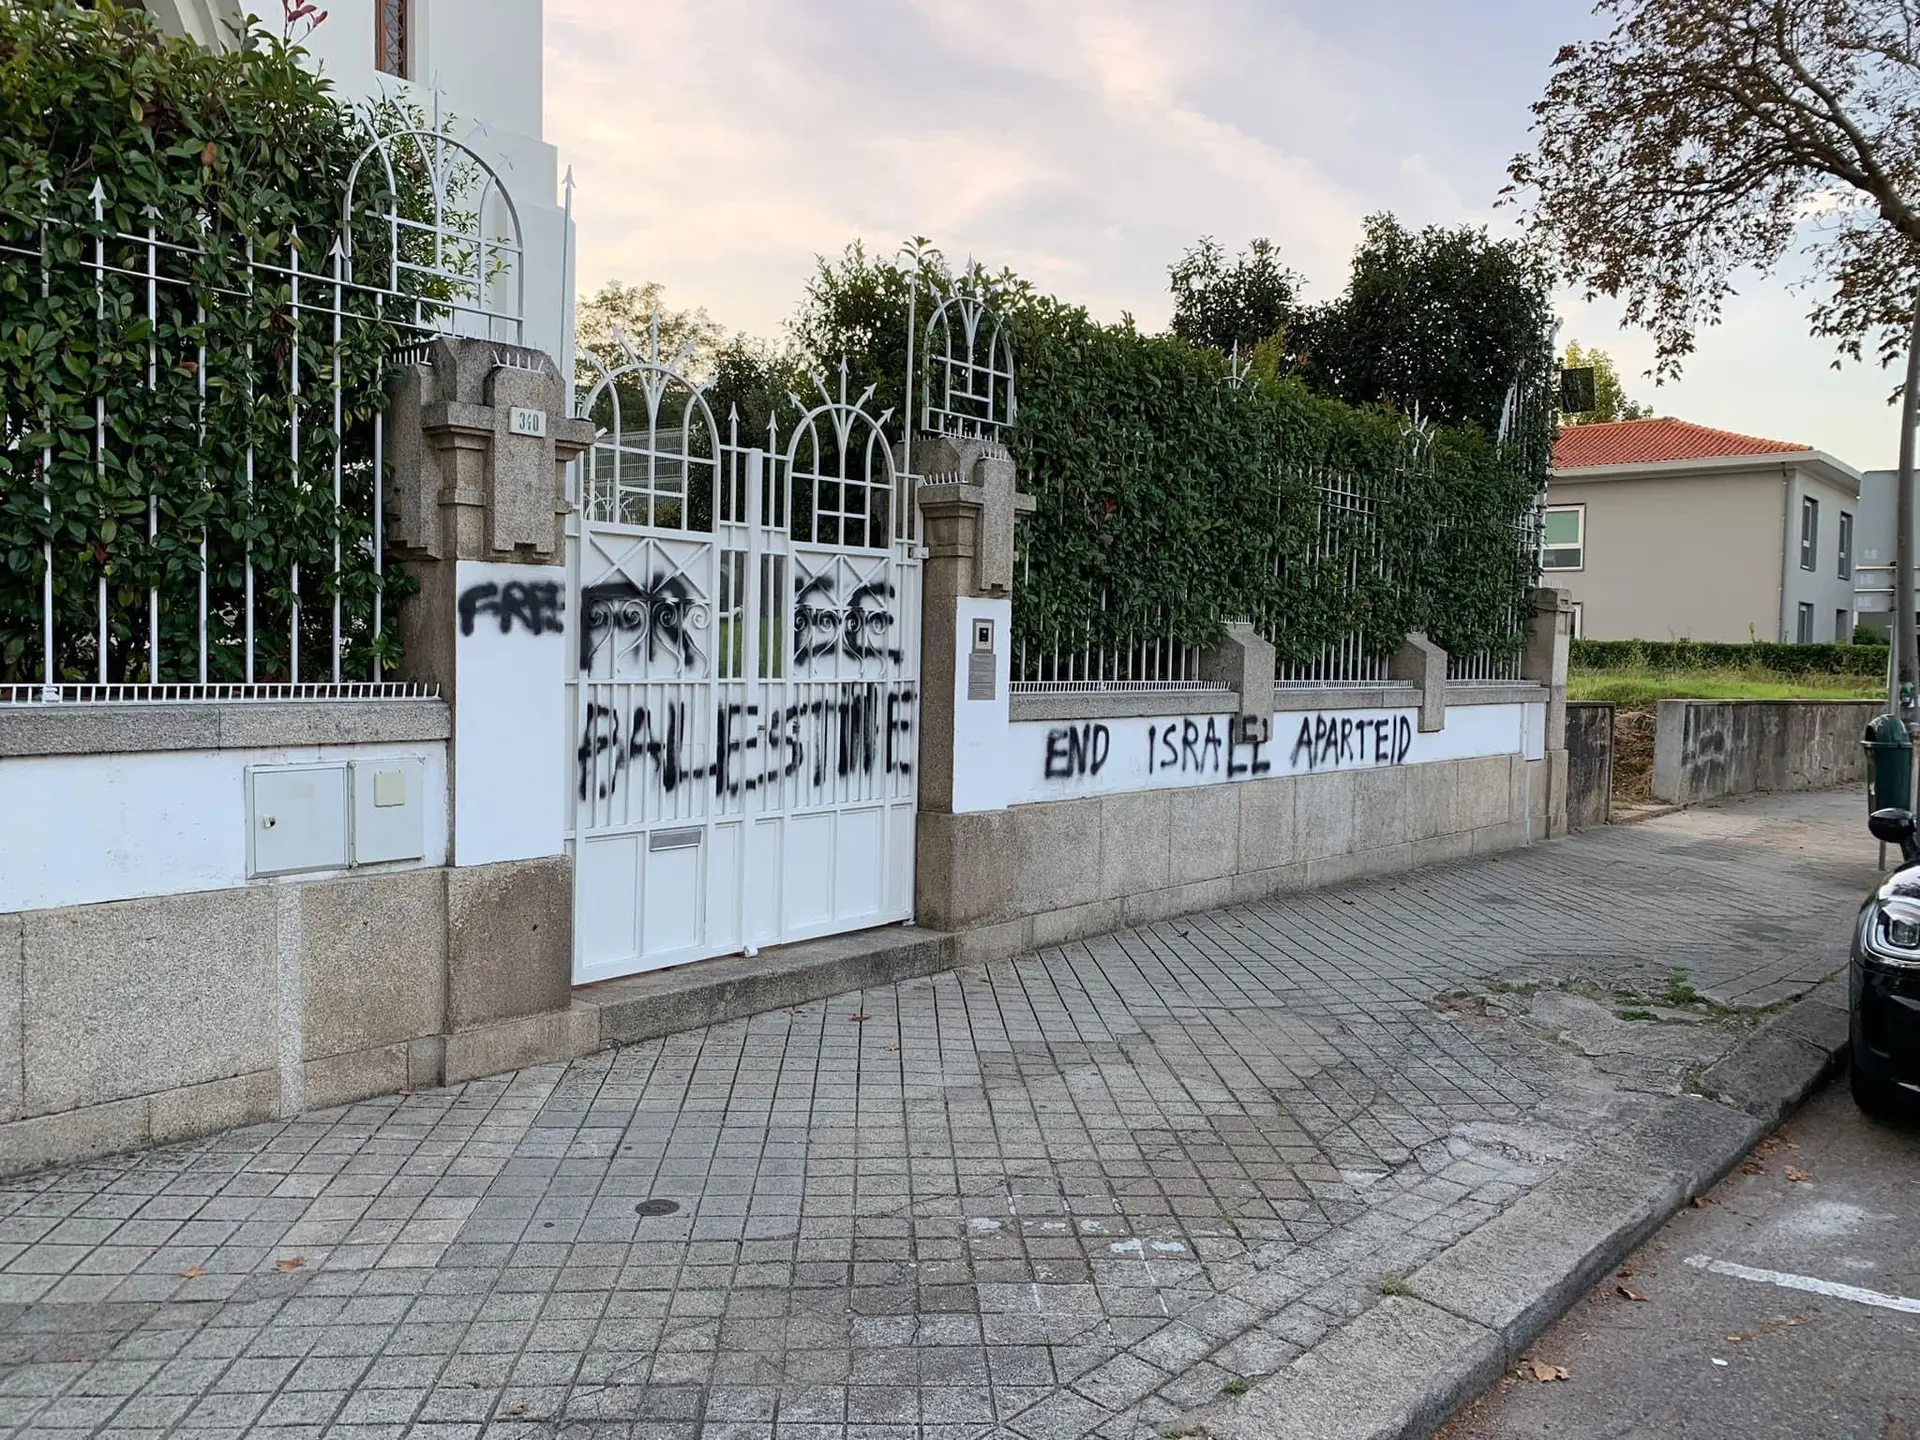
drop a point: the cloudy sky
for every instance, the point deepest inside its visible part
(1086, 143)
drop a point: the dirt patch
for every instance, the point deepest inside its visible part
(1633, 755)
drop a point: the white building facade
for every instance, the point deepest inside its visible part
(475, 64)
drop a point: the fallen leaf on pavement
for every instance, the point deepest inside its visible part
(1700, 1202)
(1753, 1167)
(519, 1409)
(1742, 1336)
(294, 1264)
(893, 1047)
(192, 1272)
(1546, 1374)
(1626, 1294)
(856, 1019)
(1794, 1172)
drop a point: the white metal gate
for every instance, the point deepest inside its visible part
(746, 677)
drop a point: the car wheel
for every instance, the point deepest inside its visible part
(1876, 1097)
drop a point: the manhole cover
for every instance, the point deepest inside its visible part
(656, 1207)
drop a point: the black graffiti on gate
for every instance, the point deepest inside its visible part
(1346, 739)
(665, 609)
(865, 731)
(536, 606)
(1186, 747)
(859, 630)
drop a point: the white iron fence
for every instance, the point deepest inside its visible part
(1347, 536)
(1150, 658)
(200, 439)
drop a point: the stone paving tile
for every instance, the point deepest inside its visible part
(1071, 1194)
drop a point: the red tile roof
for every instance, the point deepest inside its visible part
(1647, 442)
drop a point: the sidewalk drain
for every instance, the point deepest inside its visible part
(656, 1207)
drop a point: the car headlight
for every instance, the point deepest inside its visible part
(1893, 931)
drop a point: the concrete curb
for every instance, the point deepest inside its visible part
(687, 997)
(1402, 1368)
(1634, 815)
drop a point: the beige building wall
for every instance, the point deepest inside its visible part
(1691, 557)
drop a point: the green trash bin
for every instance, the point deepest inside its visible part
(1889, 764)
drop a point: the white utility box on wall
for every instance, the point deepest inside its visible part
(389, 816)
(296, 818)
(334, 815)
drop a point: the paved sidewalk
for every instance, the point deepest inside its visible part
(1083, 1192)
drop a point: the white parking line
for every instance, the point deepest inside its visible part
(1807, 1283)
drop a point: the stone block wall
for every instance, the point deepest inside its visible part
(1589, 765)
(147, 1021)
(1708, 749)
(1039, 874)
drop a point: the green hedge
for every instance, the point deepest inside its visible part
(222, 155)
(1781, 659)
(1173, 498)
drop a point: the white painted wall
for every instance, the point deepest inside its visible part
(1032, 761)
(484, 55)
(980, 726)
(86, 828)
(509, 716)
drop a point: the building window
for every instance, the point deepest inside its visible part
(1563, 538)
(1579, 619)
(1846, 546)
(390, 37)
(1804, 631)
(1842, 627)
(1809, 533)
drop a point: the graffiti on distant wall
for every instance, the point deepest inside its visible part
(1330, 740)
(1077, 750)
(865, 730)
(535, 607)
(1191, 748)
(1201, 748)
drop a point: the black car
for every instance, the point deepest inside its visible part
(1883, 980)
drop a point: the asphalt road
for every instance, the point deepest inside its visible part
(1723, 1343)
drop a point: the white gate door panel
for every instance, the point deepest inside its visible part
(746, 683)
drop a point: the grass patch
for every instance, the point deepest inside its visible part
(1677, 990)
(1634, 1015)
(1642, 688)
(1235, 1387)
(1396, 1285)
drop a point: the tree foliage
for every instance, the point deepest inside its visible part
(113, 403)
(1233, 306)
(619, 317)
(1172, 499)
(744, 376)
(1701, 138)
(1440, 321)
(1610, 400)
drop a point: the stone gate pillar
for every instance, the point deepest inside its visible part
(480, 440)
(969, 501)
(1549, 642)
